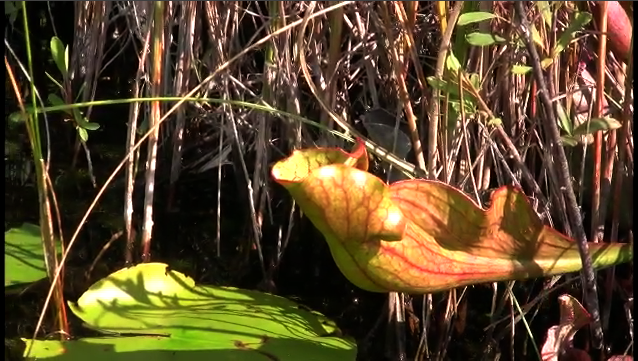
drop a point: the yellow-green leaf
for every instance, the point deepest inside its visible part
(483, 39)
(521, 69)
(84, 136)
(546, 11)
(578, 24)
(563, 119)
(452, 63)
(495, 121)
(596, 124)
(59, 55)
(474, 17)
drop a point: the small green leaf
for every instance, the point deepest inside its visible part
(66, 58)
(474, 17)
(495, 121)
(569, 141)
(483, 39)
(90, 126)
(452, 63)
(16, 117)
(536, 37)
(81, 120)
(578, 24)
(437, 83)
(469, 106)
(58, 55)
(546, 62)
(521, 69)
(82, 133)
(475, 80)
(444, 86)
(596, 124)
(563, 119)
(55, 100)
(546, 11)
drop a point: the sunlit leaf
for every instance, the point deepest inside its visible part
(24, 255)
(166, 316)
(470, 106)
(483, 39)
(546, 62)
(475, 80)
(536, 39)
(423, 236)
(546, 11)
(82, 133)
(59, 55)
(474, 17)
(578, 24)
(563, 119)
(596, 124)
(521, 69)
(90, 126)
(495, 121)
(452, 63)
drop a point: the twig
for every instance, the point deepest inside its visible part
(620, 178)
(598, 224)
(435, 106)
(154, 118)
(402, 89)
(573, 211)
(131, 158)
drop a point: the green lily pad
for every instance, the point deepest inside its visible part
(152, 311)
(24, 255)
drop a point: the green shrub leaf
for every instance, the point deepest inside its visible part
(452, 63)
(89, 125)
(563, 119)
(521, 69)
(82, 133)
(483, 39)
(474, 17)
(596, 124)
(55, 100)
(580, 20)
(546, 11)
(60, 55)
(569, 141)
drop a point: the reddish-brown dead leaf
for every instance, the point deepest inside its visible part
(573, 317)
